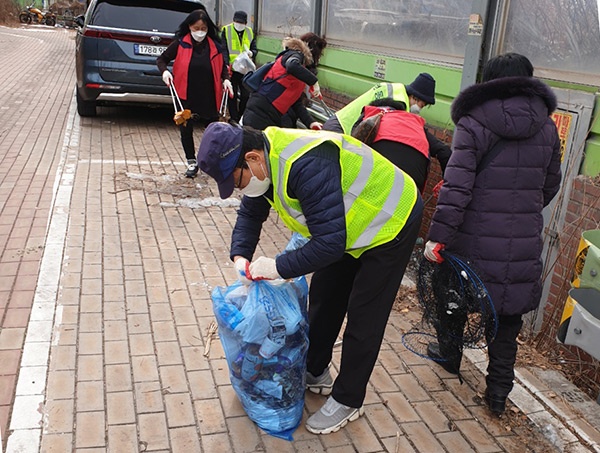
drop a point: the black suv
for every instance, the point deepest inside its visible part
(116, 49)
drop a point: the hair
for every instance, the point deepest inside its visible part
(252, 139)
(507, 65)
(389, 102)
(195, 16)
(316, 44)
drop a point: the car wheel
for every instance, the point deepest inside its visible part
(85, 108)
(24, 18)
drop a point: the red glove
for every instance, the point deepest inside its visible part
(436, 189)
(432, 251)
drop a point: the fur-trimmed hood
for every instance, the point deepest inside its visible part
(512, 107)
(300, 46)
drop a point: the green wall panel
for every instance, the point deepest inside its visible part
(591, 163)
(352, 73)
(595, 127)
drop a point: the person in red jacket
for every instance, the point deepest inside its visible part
(402, 139)
(317, 45)
(282, 87)
(199, 76)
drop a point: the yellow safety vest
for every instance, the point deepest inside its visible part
(348, 115)
(233, 41)
(378, 197)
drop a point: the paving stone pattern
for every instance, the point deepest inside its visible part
(107, 258)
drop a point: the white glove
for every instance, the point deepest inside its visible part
(228, 87)
(315, 91)
(167, 77)
(432, 251)
(263, 269)
(240, 265)
(249, 53)
(316, 126)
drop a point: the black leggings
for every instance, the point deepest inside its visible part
(187, 135)
(502, 352)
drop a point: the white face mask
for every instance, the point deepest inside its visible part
(415, 109)
(198, 35)
(239, 27)
(256, 187)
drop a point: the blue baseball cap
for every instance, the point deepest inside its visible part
(219, 153)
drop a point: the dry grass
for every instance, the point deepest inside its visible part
(9, 12)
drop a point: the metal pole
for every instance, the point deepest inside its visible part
(318, 17)
(476, 34)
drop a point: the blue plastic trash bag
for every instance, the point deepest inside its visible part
(296, 241)
(264, 332)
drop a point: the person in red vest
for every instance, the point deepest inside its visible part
(199, 76)
(282, 87)
(317, 45)
(402, 139)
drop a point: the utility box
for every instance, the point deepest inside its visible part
(582, 327)
(580, 322)
(587, 263)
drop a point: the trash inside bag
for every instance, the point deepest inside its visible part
(296, 241)
(263, 328)
(243, 64)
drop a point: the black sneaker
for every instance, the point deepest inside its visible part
(433, 351)
(192, 169)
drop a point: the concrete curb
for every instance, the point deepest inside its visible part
(560, 424)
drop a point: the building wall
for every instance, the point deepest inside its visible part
(583, 213)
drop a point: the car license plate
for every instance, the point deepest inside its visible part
(145, 49)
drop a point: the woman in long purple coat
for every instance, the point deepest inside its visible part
(490, 211)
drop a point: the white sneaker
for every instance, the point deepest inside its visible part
(322, 384)
(332, 416)
(192, 169)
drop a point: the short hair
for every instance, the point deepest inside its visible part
(251, 139)
(507, 65)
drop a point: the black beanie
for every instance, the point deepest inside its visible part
(241, 17)
(423, 87)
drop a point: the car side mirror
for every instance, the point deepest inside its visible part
(80, 20)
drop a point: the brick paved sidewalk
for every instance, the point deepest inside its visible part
(110, 304)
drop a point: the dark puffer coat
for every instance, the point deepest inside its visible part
(493, 216)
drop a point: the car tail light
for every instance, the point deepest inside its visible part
(104, 34)
(102, 86)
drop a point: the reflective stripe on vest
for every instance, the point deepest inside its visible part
(233, 41)
(378, 197)
(348, 115)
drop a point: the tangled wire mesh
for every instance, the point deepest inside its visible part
(458, 311)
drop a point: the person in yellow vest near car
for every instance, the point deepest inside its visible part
(239, 38)
(361, 215)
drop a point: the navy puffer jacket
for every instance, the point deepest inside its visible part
(315, 180)
(494, 216)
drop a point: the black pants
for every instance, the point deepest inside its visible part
(237, 104)
(187, 132)
(502, 352)
(364, 289)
